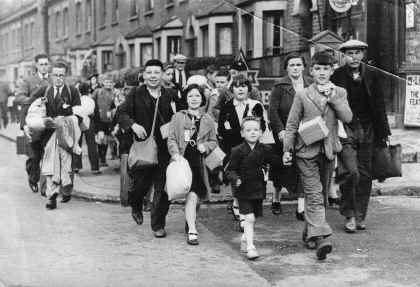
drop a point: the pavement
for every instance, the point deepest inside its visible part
(89, 244)
(106, 186)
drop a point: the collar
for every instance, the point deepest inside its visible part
(45, 77)
(159, 92)
(240, 103)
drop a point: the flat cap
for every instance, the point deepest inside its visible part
(180, 57)
(353, 44)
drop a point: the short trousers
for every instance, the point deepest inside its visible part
(247, 206)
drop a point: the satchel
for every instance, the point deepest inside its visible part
(144, 153)
(215, 158)
(386, 162)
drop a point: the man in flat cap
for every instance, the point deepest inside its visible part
(368, 128)
(180, 74)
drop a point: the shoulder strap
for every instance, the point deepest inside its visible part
(154, 117)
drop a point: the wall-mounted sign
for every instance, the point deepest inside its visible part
(410, 15)
(412, 101)
(340, 6)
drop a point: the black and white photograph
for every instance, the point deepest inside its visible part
(214, 143)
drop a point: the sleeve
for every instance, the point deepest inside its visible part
(172, 141)
(233, 168)
(26, 104)
(211, 142)
(271, 157)
(275, 122)
(339, 103)
(292, 124)
(126, 111)
(221, 131)
(258, 111)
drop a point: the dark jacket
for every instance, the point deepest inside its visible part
(139, 108)
(232, 137)
(59, 106)
(342, 77)
(281, 101)
(248, 165)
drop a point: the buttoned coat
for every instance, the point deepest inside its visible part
(309, 104)
(206, 135)
(281, 101)
(247, 165)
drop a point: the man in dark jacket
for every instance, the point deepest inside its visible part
(136, 113)
(26, 88)
(60, 99)
(368, 128)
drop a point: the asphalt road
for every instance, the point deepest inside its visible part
(94, 244)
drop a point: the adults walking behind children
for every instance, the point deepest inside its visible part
(137, 114)
(315, 144)
(281, 100)
(192, 136)
(368, 128)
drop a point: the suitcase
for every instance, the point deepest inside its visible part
(22, 145)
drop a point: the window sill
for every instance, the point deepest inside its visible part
(102, 27)
(148, 13)
(169, 5)
(134, 17)
(114, 23)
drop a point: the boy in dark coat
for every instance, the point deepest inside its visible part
(247, 173)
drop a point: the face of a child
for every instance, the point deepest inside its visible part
(295, 68)
(240, 92)
(168, 75)
(108, 84)
(194, 99)
(251, 131)
(321, 73)
(221, 82)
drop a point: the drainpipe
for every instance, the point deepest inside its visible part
(43, 11)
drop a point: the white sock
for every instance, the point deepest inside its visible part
(301, 204)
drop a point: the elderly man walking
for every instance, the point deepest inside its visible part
(136, 115)
(368, 128)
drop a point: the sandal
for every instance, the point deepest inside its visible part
(192, 238)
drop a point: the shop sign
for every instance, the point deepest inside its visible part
(412, 101)
(341, 6)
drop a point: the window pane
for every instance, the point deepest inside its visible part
(225, 40)
(205, 33)
(273, 36)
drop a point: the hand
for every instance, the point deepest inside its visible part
(201, 148)
(176, 157)
(27, 133)
(287, 159)
(238, 182)
(281, 135)
(139, 131)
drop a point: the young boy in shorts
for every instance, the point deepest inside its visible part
(247, 173)
(324, 103)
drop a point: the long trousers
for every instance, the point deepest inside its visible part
(143, 181)
(315, 175)
(356, 161)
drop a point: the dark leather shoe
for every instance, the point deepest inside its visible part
(300, 215)
(34, 187)
(138, 217)
(52, 202)
(160, 233)
(361, 225)
(350, 226)
(66, 198)
(324, 247)
(276, 208)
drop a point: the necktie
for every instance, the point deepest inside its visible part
(180, 78)
(57, 93)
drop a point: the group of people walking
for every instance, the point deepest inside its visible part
(333, 117)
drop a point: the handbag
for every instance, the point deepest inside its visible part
(215, 158)
(386, 162)
(144, 153)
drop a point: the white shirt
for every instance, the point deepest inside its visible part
(184, 77)
(240, 107)
(55, 91)
(298, 84)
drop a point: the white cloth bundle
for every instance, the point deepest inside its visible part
(178, 179)
(36, 114)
